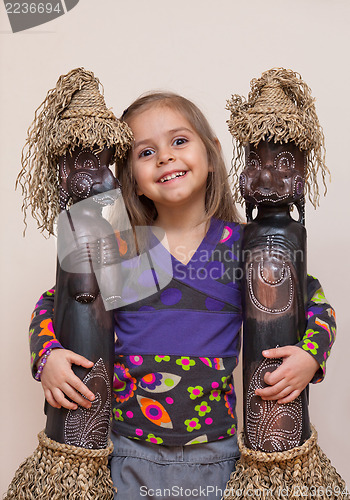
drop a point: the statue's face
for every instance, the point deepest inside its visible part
(86, 173)
(274, 174)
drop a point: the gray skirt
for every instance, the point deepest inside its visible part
(142, 470)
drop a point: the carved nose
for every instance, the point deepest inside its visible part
(266, 178)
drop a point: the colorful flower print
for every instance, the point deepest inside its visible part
(155, 412)
(309, 333)
(50, 344)
(198, 440)
(230, 400)
(319, 297)
(215, 395)
(226, 234)
(323, 325)
(151, 381)
(153, 439)
(331, 330)
(135, 360)
(192, 424)
(202, 408)
(32, 359)
(31, 331)
(159, 382)
(313, 310)
(331, 313)
(225, 381)
(185, 362)
(230, 233)
(232, 430)
(124, 384)
(334, 333)
(216, 363)
(308, 345)
(195, 392)
(162, 358)
(47, 328)
(117, 414)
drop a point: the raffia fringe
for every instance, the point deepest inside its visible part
(302, 472)
(57, 471)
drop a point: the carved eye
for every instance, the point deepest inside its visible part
(88, 160)
(254, 161)
(284, 161)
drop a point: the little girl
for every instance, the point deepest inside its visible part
(174, 421)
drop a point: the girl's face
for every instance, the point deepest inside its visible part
(169, 159)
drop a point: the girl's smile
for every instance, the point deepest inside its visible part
(169, 160)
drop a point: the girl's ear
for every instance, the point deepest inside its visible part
(138, 191)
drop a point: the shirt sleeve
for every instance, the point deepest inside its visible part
(41, 334)
(320, 330)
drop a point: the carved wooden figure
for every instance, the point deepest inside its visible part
(274, 253)
(81, 321)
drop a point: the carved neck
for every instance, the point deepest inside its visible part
(89, 208)
(265, 211)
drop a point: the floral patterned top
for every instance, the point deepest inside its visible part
(175, 350)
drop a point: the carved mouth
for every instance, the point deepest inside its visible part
(267, 195)
(107, 198)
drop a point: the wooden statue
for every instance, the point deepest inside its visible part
(65, 164)
(274, 250)
(278, 154)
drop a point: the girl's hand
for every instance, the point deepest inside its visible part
(291, 377)
(58, 380)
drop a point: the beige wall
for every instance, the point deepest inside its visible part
(205, 50)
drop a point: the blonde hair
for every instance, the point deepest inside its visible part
(279, 107)
(73, 114)
(218, 202)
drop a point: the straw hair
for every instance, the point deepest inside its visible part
(304, 471)
(279, 107)
(73, 114)
(58, 471)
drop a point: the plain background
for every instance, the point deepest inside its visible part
(206, 51)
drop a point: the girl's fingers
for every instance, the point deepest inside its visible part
(277, 352)
(79, 386)
(50, 399)
(280, 395)
(71, 393)
(61, 400)
(288, 399)
(77, 359)
(271, 391)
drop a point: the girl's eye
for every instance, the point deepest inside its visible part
(146, 152)
(179, 141)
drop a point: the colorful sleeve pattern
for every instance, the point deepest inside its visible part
(41, 334)
(320, 330)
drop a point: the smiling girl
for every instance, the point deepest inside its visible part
(174, 418)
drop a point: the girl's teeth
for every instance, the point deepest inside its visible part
(172, 176)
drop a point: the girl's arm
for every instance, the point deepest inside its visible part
(58, 379)
(306, 361)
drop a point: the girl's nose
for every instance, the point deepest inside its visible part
(165, 158)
